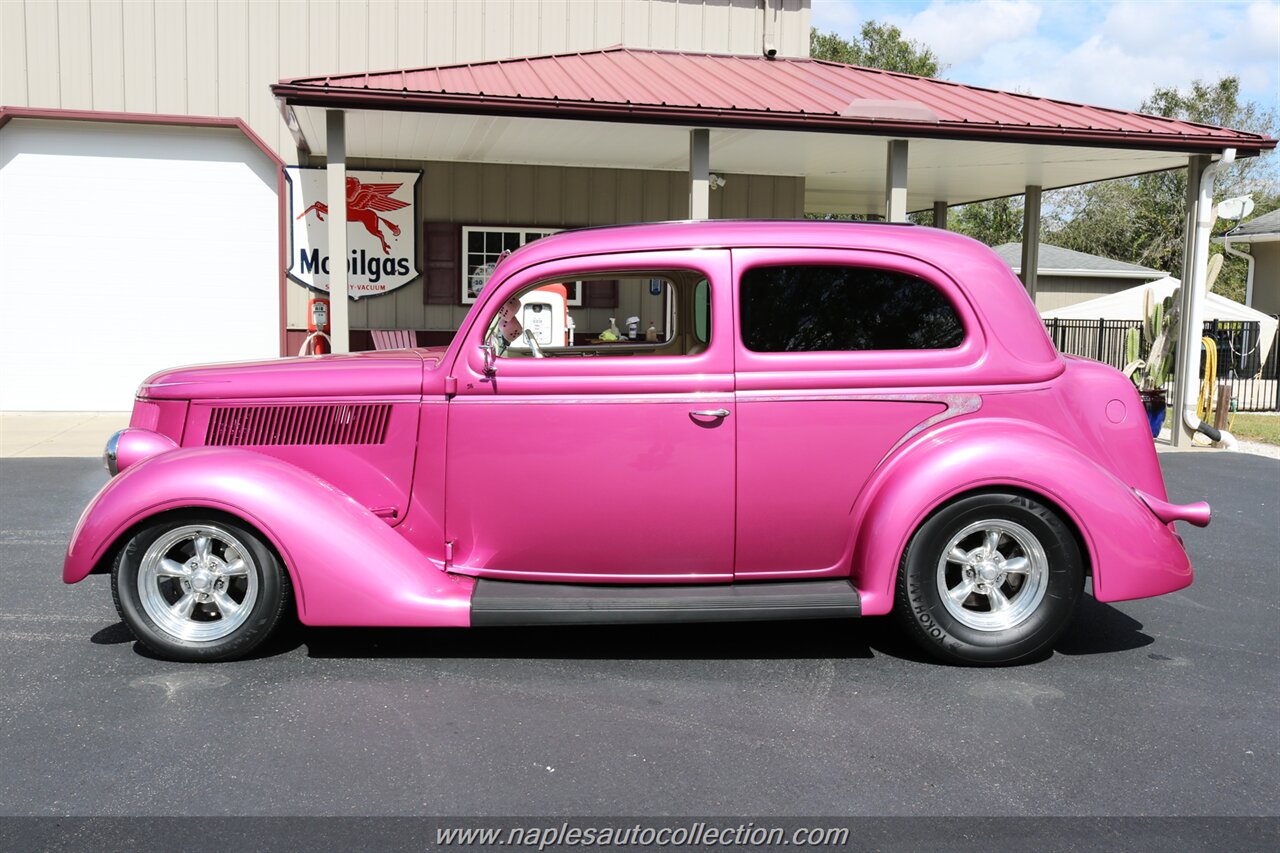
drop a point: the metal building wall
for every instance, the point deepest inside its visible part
(1266, 277)
(1059, 291)
(217, 57)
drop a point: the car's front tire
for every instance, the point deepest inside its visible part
(200, 587)
(989, 579)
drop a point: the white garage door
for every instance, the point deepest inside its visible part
(125, 249)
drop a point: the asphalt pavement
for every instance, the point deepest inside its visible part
(1160, 707)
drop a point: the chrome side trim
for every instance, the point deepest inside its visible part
(957, 405)
(599, 399)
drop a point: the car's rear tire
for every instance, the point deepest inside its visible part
(200, 587)
(992, 578)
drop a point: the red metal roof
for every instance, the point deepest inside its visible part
(622, 84)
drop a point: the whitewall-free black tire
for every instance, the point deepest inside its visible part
(991, 578)
(197, 586)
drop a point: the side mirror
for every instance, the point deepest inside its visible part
(490, 359)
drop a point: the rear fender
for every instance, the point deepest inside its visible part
(1132, 553)
(347, 566)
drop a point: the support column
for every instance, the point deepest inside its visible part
(700, 174)
(336, 193)
(1031, 240)
(940, 214)
(895, 182)
(1190, 301)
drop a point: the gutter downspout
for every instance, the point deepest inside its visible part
(770, 46)
(1193, 300)
(1248, 280)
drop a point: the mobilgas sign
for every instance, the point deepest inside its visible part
(382, 233)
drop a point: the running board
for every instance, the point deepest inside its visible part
(520, 603)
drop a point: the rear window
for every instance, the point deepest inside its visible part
(798, 308)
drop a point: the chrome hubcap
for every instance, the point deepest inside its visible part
(198, 583)
(993, 575)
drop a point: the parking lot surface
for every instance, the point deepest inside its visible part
(1157, 707)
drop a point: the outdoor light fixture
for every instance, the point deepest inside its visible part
(716, 181)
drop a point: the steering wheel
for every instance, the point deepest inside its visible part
(534, 346)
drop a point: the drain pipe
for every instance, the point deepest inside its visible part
(1197, 265)
(770, 46)
(1248, 259)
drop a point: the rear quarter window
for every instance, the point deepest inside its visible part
(802, 308)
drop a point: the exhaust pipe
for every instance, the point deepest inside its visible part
(1197, 513)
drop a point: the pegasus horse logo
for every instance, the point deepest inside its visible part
(364, 203)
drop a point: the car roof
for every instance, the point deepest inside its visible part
(741, 233)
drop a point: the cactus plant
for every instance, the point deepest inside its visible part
(1160, 324)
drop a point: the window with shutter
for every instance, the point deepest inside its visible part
(481, 248)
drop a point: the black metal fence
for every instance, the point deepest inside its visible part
(1254, 385)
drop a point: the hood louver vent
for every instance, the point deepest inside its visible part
(238, 426)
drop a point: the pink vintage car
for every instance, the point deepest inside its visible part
(767, 420)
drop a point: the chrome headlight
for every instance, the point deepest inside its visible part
(111, 455)
(132, 445)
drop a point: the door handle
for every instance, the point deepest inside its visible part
(710, 413)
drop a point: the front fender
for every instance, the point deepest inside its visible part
(347, 566)
(1133, 554)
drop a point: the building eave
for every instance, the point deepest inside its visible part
(330, 97)
(1144, 276)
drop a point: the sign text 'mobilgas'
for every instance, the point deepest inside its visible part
(361, 263)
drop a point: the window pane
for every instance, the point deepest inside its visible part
(830, 308)
(702, 311)
(637, 322)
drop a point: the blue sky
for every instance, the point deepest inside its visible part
(1106, 52)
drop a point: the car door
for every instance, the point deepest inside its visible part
(841, 356)
(612, 466)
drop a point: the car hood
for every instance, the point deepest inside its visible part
(364, 374)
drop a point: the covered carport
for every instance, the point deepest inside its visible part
(862, 140)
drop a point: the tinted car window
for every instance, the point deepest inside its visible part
(839, 308)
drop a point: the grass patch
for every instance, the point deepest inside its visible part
(1265, 428)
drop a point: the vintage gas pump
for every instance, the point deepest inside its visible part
(544, 312)
(317, 342)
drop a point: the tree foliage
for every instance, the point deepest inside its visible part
(876, 46)
(993, 222)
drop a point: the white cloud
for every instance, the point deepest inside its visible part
(960, 31)
(1139, 46)
(1107, 52)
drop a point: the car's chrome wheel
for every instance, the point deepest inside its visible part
(993, 575)
(198, 583)
(990, 578)
(200, 586)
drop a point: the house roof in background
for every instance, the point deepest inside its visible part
(1267, 223)
(717, 90)
(1055, 260)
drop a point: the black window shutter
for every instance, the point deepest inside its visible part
(600, 294)
(443, 274)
